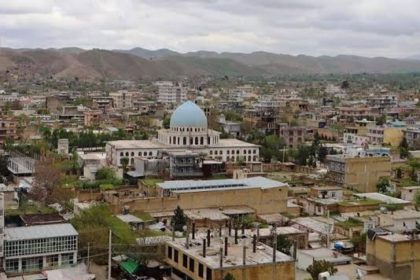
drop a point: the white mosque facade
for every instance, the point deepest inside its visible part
(188, 131)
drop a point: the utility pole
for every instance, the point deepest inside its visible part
(88, 256)
(109, 254)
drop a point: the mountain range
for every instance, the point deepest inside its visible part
(143, 64)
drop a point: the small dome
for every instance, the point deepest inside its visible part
(188, 115)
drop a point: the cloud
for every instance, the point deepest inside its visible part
(313, 27)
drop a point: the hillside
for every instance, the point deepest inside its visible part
(142, 64)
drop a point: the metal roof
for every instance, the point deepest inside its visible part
(253, 182)
(39, 231)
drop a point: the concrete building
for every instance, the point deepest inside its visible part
(410, 193)
(400, 221)
(412, 134)
(185, 165)
(33, 248)
(358, 173)
(263, 195)
(188, 131)
(293, 136)
(229, 127)
(396, 255)
(170, 92)
(122, 99)
(212, 259)
(7, 129)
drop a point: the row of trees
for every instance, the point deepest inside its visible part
(87, 139)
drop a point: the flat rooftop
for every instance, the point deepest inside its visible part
(153, 144)
(382, 197)
(263, 254)
(39, 231)
(194, 185)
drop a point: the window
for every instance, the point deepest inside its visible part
(185, 261)
(126, 154)
(192, 264)
(208, 274)
(132, 154)
(200, 270)
(121, 154)
(150, 153)
(175, 255)
(169, 252)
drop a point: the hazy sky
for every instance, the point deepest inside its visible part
(313, 27)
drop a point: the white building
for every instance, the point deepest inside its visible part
(188, 131)
(171, 93)
(33, 248)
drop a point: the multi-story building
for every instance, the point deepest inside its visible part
(412, 134)
(122, 99)
(170, 92)
(358, 173)
(213, 259)
(185, 165)
(383, 102)
(188, 131)
(92, 118)
(354, 113)
(385, 135)
(293, 136)
(7, 129)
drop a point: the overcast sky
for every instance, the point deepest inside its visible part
(313, 27)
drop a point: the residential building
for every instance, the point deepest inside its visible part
(410, 193)
(383, 102)
(293, 136)
(169, 92)
(395, 255)
(7, 129)
(122, 99)
(358, 173)
(230, 127)
(400, 221)
(412, 134)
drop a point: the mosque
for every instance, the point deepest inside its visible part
(188, 131)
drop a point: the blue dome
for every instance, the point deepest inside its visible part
(188, 115)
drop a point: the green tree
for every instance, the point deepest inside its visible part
(271, 146)
(166, 122)
(320, 266)
(124, 163)
(228, 277)
(383, 186)
(359, 242)
(179, 220)
(283, 244)
(105, 173)
(404, 153)
(417, 200)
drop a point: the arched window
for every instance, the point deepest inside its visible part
(191, 140)
(150, 153)
(185, 141)
(201, 140)
(139, 154)
(121, 154)
(132, 154)
(126, 154)
(144, 153)
(196, 140)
